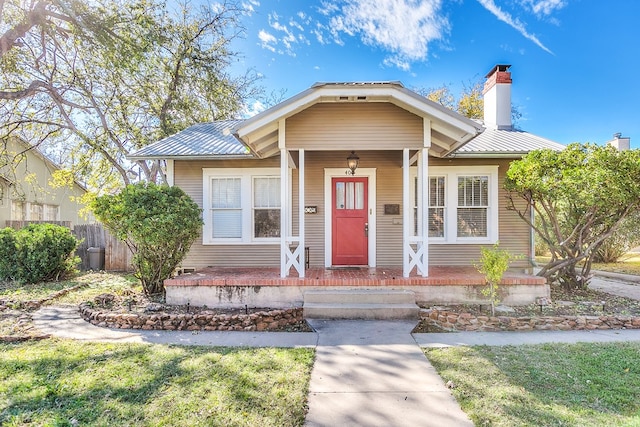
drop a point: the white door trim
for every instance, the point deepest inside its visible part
(328, 203)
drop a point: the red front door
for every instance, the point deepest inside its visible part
(350, 244)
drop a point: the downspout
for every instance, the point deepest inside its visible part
(532, 238)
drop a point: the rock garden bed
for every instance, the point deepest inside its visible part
(108, 310)
(576, 310)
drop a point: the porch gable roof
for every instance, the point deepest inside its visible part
(449, 130)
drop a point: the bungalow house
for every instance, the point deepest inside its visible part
(351, 185)
(26, 193)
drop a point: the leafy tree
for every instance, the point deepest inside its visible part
(157, 222)
(580, 197)
(100, 79)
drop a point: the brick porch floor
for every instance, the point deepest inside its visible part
(264, 276)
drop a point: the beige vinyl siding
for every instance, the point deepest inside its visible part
(513, 232)
(188, 176)
(373, 126)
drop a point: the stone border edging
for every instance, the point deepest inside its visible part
(259, 321)
(453, 321)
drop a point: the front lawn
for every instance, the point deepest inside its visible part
(545, 385)
(86, 285)
(65, 383)
(628, 264)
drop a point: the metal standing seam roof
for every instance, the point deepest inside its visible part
(203, 140)
(505, 142)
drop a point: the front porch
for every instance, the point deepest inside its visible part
(264, 287)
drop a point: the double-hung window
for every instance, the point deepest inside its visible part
(437, 206)
(473, 206)
(241, 205)
(226, 208)
(462, 203)
(266, 206)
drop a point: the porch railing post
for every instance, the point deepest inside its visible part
(284, 211)
(301, 247)
(423, 176)
(407, 210)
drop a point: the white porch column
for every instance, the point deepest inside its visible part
(285, 202)
(418, 257)
(302, 252)
(407, 213)
(423, 211)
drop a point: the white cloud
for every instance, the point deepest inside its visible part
(403, 27)
(256, 108)
(319, 36)
(248, 7)
(544, 7)
(267, 40)
(327, 8)
(515, 23)
(285, 36)
(295, 24)
(398, 62)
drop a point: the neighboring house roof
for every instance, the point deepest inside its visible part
(201, 141)
(505, 143)
(36, 151)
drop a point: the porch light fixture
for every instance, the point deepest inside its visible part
(352, 163)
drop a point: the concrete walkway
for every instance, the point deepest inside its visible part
(623, 285)
(372, 373)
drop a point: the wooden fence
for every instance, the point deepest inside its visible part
(117, 256)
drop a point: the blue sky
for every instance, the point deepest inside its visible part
(574, 63)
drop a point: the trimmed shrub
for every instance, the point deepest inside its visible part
(8, 252)
(157, 222)
(37, 252)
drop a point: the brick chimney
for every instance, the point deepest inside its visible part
(497, 98)
(620, 142)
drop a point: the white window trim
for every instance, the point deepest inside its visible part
(451, 174)
(246, 176)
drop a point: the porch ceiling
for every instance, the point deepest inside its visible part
(449, 130)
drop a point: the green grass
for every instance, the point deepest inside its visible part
(64, 383)
(628, 264)
(97, 283)
(545, 385)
